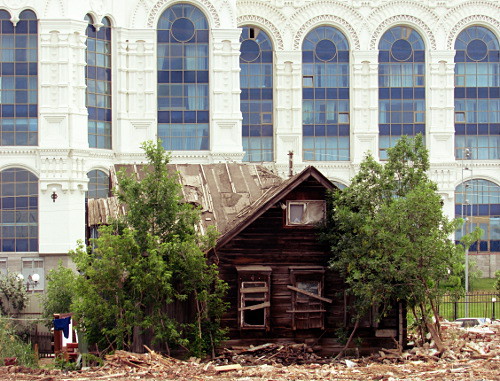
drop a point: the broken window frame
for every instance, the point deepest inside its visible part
(256, 299)
(307, 311)
(311, 220)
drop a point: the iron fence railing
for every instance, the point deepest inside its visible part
(473, 304)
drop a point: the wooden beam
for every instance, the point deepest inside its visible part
(303, 311)
(252, 290)
(255, 307)
(310, 294)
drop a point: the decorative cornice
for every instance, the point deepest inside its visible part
(352, 35)
(274, 32)
(402, 19)
(206, 4)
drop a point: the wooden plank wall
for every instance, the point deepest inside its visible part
(269, 242)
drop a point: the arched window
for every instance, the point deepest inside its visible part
(256, 80)
(325, 95)
(98, 184)
(477, 94)
(19, 80)
(98, 79)
(18, 211)
(401, 86)
(478, 201)
(183, 110)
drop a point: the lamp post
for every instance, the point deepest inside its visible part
(468, 156)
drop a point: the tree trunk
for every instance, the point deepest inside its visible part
(348, 340)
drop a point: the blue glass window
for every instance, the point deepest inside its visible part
(98, 184)
(477, 94)
(256, 99)
(19, 80)
(18, 211)
(183, 101)
(325, 96)
(98, 80)
(478, 200)
(401, 86)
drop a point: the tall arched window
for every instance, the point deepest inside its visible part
(325, 95)
(19, 80)
(401, 86)
(477, 94)
(478, 201)
(98, 79)
(98, 184)
(18, 211)
(183, 110)
(256, 80)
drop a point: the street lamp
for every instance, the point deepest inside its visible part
(32, 281)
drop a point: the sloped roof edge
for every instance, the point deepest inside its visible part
(270, 198)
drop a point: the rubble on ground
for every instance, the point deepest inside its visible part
(472, 353)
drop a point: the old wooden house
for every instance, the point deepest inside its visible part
(280, 286)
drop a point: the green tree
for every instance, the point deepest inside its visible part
(59, 292)
(13, 294)
(152, 257)
(389, 237)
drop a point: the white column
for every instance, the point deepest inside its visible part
(225, 127)
(288, 107)
(440, 119)
(63, 115)
(364, 105)
(134, 81)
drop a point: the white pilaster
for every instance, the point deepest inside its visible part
(288, 106)
(440, 124)
(364, 105)
(225, 128)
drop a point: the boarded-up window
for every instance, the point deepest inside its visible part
(305, 212)
(254, 296)
(307, 297)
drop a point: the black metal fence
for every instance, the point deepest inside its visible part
(477, 304)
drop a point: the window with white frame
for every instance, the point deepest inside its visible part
(307, 212)
(30, 268)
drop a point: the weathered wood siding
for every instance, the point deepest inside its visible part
(269, 242)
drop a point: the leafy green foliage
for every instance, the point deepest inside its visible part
(13, 294)
(152, 258)
(388, 235)
(11, 345)
(59, 292)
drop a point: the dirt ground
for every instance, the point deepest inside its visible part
(472, 354)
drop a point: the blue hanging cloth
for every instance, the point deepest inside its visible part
(63, 325)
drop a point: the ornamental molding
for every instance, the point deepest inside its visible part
(207, 6)
(247, 8)
(403, 6)
(402, 19)
(54, 7)
(325, 6)
(274, 32)
(351, 35)
(467, 21)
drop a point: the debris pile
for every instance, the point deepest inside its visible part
(270, 353)
(471, 353)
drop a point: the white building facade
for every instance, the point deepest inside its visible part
(83, 83)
